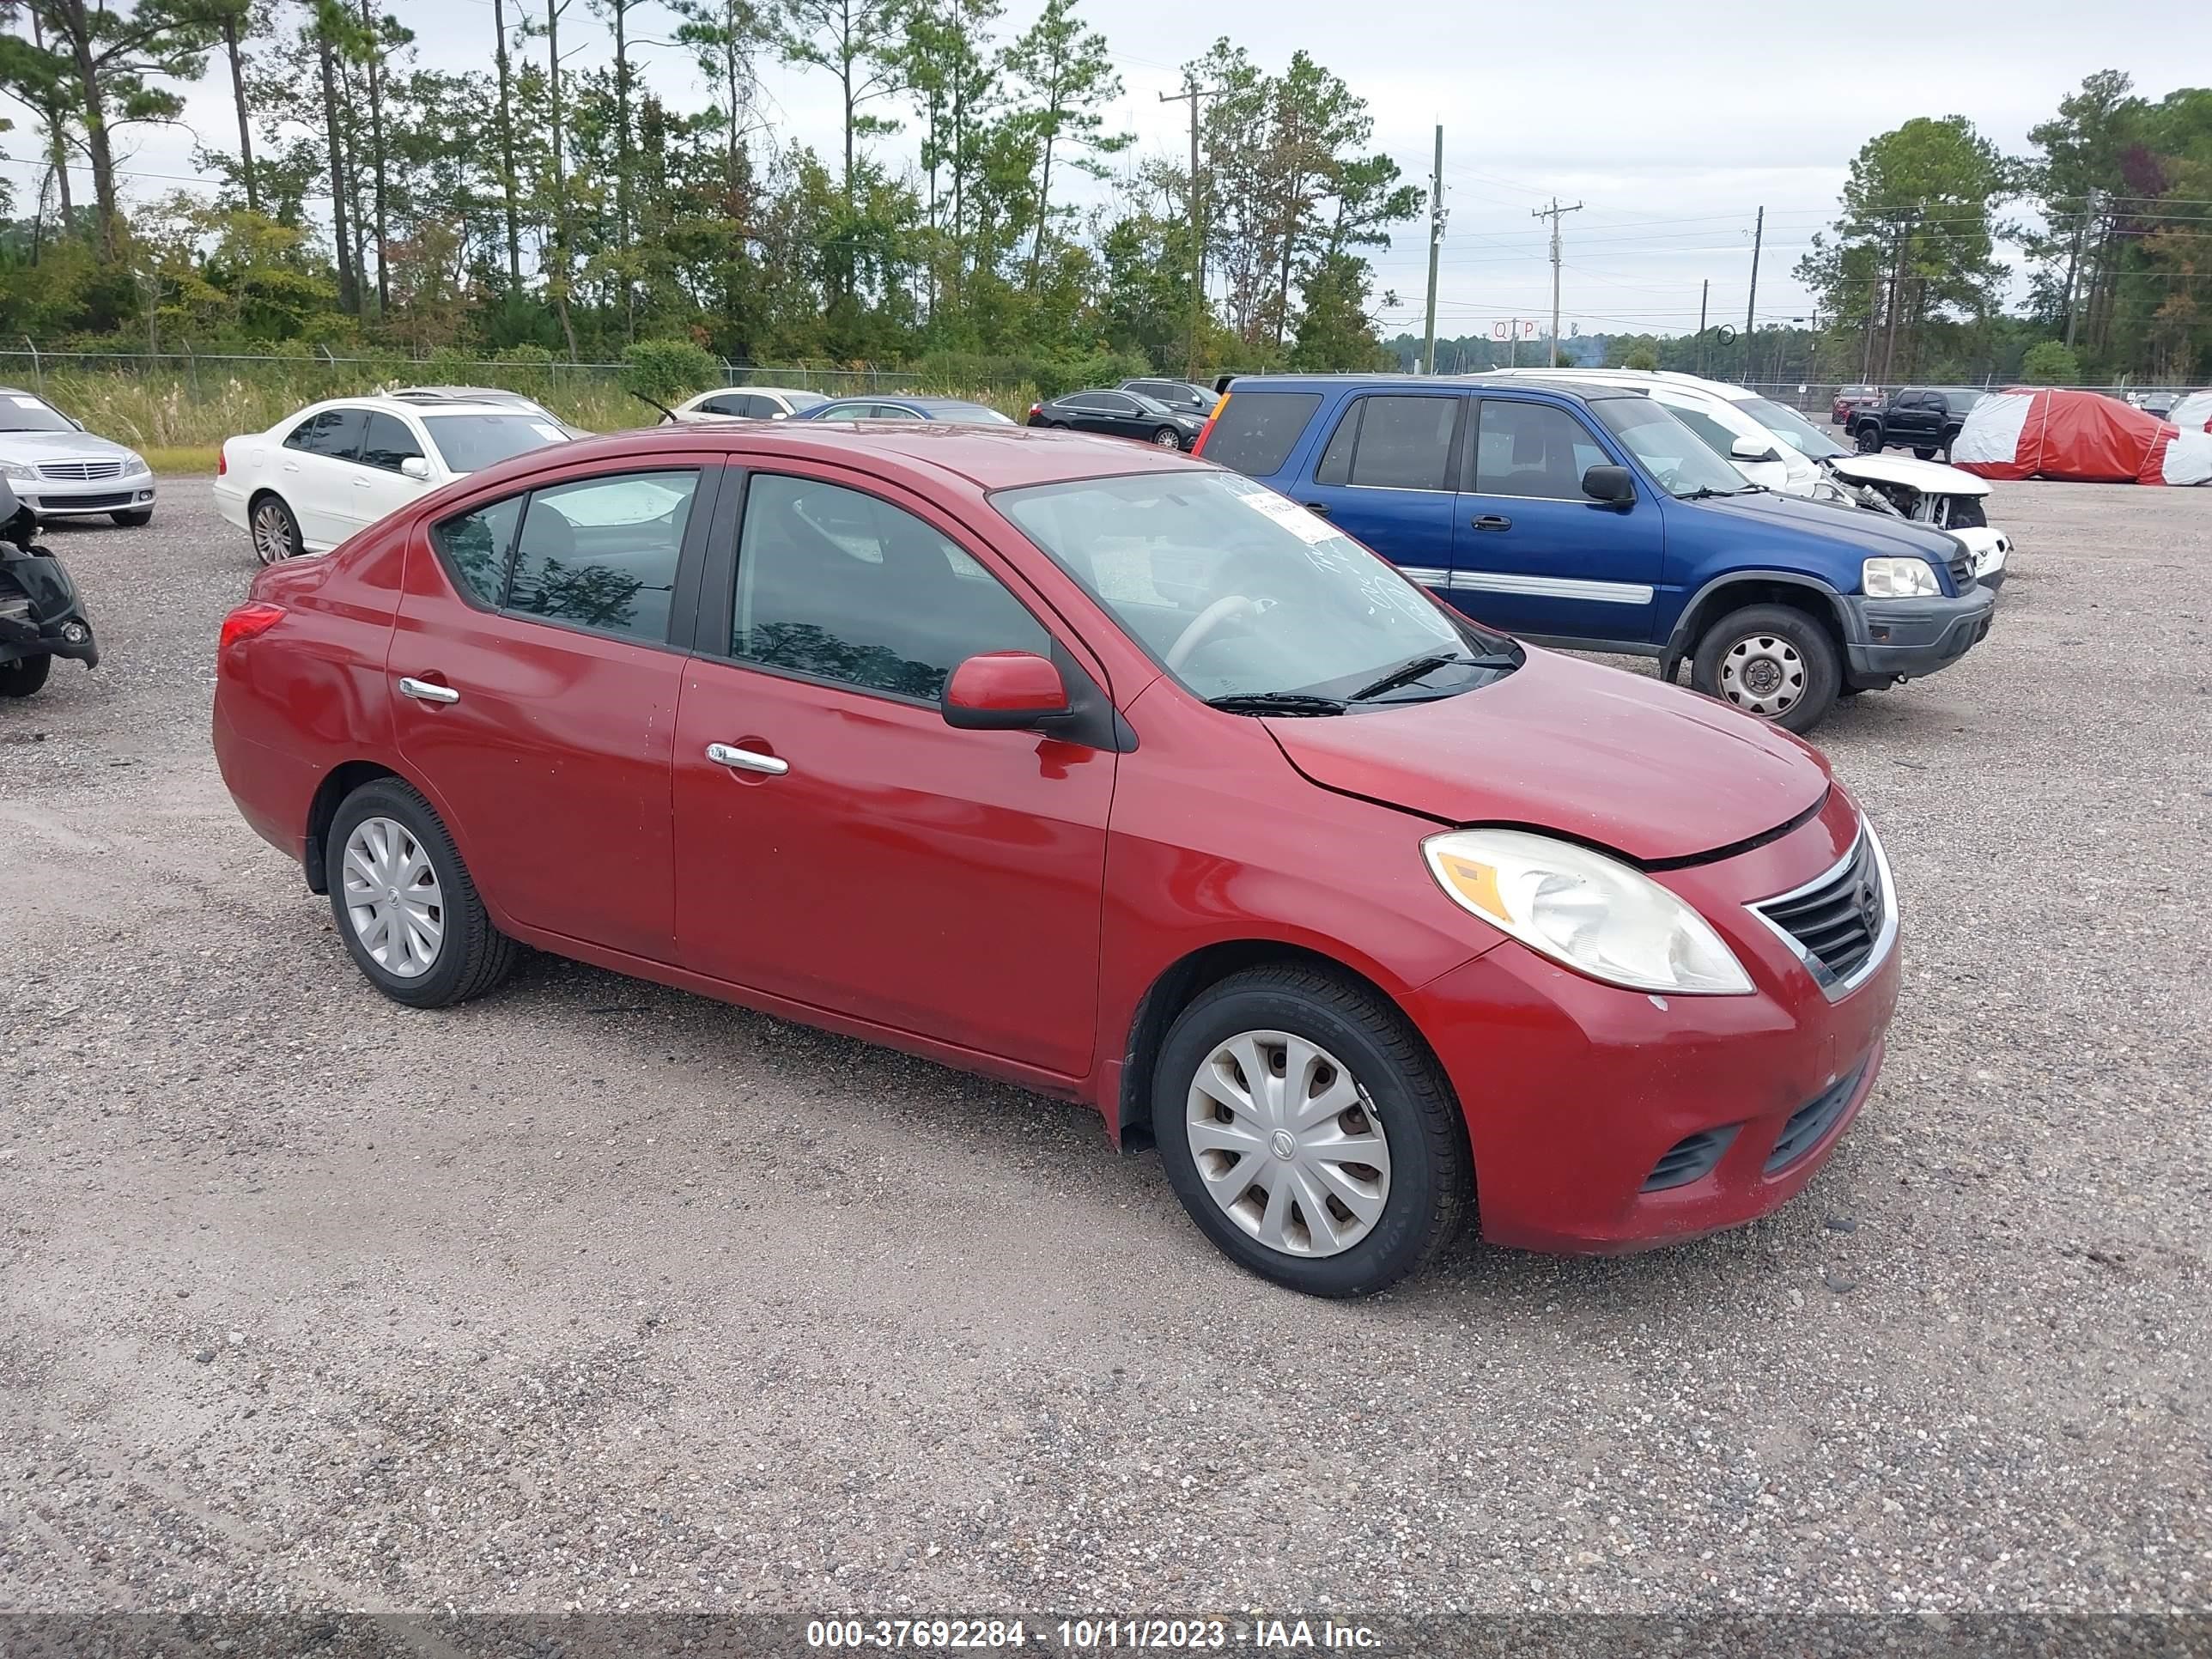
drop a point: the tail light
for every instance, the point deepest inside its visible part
(221, 463)
(1036, 410)
(248, 621)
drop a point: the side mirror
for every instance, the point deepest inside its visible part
(1003, 691)
(415, 467)
(1751, 449)
(1609, 485)
(781, 415)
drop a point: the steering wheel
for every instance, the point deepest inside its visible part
(1205, 623)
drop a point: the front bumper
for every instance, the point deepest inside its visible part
(1574, 1092)
(1886, 640)
(96, 498)
(19, 640)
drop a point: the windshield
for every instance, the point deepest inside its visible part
(969, 415)
(472, 442)
(1793, 428)
(1239, 592)
(21, 412)
(799, 400)
(1670, 452)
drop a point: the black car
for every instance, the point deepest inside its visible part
(1176, 394)
(1122, 414)
(1921, 418)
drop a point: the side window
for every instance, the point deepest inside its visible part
(1255, 432)
(1404, 443)
(1336, 466)
(388, 442)
(891, 412)
(475, 548)
(1113, 403)
(836, 584)
(338, 433)
(1532, 449)
(302, 436)
(1718, 438)
(601, 553)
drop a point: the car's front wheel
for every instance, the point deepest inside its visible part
(1309, 1132)
(1772, 661)
(1869, 439)
(276, 531)
(405, 904)
(1167, 438)
(24, 676)
(138, 518)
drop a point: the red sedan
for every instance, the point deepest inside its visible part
(1104, 771)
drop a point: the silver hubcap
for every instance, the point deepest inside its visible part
(1167, 439)
(1762, 674)
(1288, 1144)
(393, 898)
(272, 539)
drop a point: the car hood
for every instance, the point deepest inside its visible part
(59, 445)
(1600, 755)
(1929, 477)
(1784, 519)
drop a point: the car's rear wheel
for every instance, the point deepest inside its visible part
(1772, 661)
(138, 518)
(405, 902)
(276, 531)
(1309, 1133)
(1167, 438)
(24, 676)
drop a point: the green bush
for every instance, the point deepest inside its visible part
(669, 371)
(2049, 363)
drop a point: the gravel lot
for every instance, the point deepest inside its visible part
(596, 1295)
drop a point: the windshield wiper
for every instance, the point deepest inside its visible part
(1406, 674)
(1276, 703)
(1707, 492)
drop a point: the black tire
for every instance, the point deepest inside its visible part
(24, 676)
(473, 955)
(138, 518)
(1869, 439)
(1431, 1188)
(1759, 626)
(1923, 455)
(269, 511)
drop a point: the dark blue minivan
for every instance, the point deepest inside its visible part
(1590, 517)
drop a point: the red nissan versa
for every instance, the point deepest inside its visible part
(1105, 771)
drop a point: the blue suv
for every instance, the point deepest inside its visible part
(1590, 517)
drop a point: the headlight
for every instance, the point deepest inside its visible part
(1593, 913)
(1900, 579)
(135, 464)
(18, 470)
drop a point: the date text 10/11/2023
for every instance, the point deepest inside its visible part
(1090, 1635)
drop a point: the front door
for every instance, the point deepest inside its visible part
(1531, 554)
(836, 842)
(1384, 479)
(378, 486)
(533, 681)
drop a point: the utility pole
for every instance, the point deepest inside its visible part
(1896, 297)
(1194, 92)
(1435, 245)
(1704, 294)
(1751, 304)
(1552, 213)
(2074, 264)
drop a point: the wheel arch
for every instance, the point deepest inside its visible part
(323, 809)
(1189, 977)
(1737, 589)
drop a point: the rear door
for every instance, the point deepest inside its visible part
(1531, 554)
(535, 669)
(315, 473)
(1384, 477)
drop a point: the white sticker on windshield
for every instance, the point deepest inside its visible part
(552, 435)
(27, 402)
(1308, 527)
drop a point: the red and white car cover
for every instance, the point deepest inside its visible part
(2084, 437)
(2193, 413)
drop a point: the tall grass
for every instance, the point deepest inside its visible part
(176, 413)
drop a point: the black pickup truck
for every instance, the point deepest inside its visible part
(1924, 419)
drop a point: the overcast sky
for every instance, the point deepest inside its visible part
(1671, 124)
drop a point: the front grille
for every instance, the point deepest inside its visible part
(1839, 920)
(1691, 1158)
(85, 503)
(1961, 568)
(1810, 1123)
(80, 471)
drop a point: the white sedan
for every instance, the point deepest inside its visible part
(317, 477)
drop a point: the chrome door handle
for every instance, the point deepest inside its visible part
(746, 759)
(423, 691)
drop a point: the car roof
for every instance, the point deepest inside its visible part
(909, 400)
(416, 406)
(772, 391)
(986, 457)
(1585, 391)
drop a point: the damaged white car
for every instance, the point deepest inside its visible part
(1927, 492)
